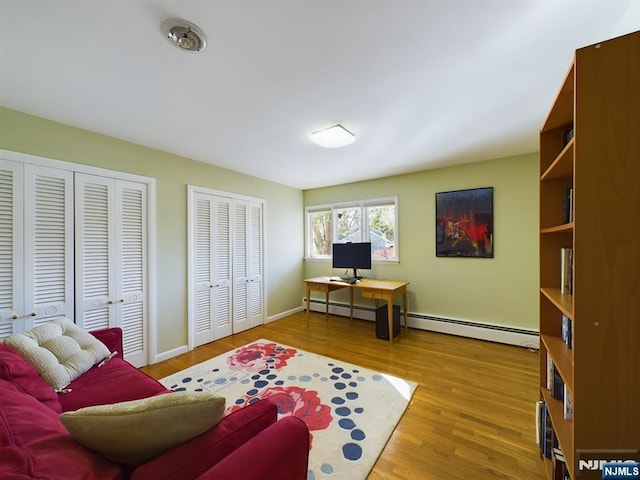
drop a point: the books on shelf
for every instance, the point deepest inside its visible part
(568, 405)
(559, 465)
(539, 414)
(566, 270)
(557, 388)
(567, 205)
(545, 435)
(548, 443)
(549, 371)
(566, 137)
(567, 331)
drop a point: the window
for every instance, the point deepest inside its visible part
(374, 221)
(349, 224)
(321, 233)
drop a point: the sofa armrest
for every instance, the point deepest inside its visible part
(112, 338)
(278, 452)
(193, 458)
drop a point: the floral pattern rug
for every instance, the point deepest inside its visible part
(351, 411)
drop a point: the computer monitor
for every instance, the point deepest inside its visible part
(356, 256)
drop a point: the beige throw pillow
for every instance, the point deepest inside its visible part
(134, 432)
(59, 350)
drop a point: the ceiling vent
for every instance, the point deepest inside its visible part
(184, 35)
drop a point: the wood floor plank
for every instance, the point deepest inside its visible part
(472, 416)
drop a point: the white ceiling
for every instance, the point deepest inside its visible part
(422, 84)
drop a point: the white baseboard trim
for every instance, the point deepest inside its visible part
(278, 316)
(521, 337)
(171, 353)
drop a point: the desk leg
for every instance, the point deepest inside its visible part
(326, 305)
(405, 309)
(351, 304)
(389, 300)
(308, 303)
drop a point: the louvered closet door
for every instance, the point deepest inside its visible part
(11, 248)
(241, 273)
(248, 290)
(131, 268)
(36, 245)
(212, 268)
(111, 225)
(255, 263)
(49, 246)
(95, 252)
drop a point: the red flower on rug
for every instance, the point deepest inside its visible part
(260, 356)
(295, 402)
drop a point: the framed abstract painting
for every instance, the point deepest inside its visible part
(464, 223)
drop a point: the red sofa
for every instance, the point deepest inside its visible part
(247, 444)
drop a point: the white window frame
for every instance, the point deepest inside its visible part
(362, 204)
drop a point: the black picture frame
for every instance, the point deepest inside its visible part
(464, 223)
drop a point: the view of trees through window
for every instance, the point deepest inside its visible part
(321, 233)
(373, 222)
(382, 220)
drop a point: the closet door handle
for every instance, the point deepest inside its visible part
(15, 316)
(33, 314)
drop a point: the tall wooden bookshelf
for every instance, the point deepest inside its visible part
(599, 101)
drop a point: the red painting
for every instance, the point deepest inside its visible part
(464, 223)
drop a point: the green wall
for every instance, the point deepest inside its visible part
(501, 290)
(284, 223)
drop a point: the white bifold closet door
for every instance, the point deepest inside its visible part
(111, 284)
(36, 245)
(248, 305)
(212, 268)
(227, 294)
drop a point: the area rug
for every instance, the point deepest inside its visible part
(351, 411)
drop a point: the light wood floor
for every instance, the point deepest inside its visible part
(472, 416)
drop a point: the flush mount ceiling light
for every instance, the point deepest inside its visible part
(333, 137)
(184, 35)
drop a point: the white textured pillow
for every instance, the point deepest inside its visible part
(59, 350)
(136, 431)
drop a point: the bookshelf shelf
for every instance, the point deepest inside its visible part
(563, 301)
(562, 357)
(564, 228)
(562, 166)
(589, 174)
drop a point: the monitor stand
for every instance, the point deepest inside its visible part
(354, 277)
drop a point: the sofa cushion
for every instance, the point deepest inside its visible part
(134, 432)
(194, 458)
(59, 350)
(34, 444)
(15, 369)
(116, 381)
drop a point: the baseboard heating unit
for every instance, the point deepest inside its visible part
(522, 337)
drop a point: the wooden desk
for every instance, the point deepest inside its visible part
(370, 288)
